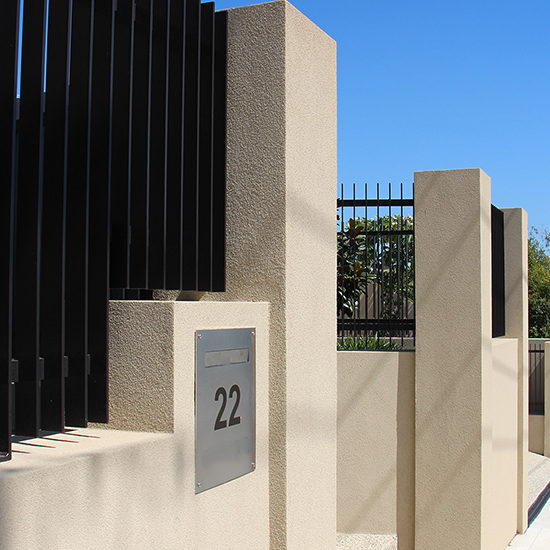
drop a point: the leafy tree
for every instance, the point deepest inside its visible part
(539, 284)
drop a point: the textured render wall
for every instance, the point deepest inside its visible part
(281, 248)
(311, 284)
(536, 433)
(517, 326)
(376, 444)
(453, 289)
(111, 489)
(147, 406)
(502, 497)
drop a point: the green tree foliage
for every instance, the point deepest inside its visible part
(387, 261)
(539, 284)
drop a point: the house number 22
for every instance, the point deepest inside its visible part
(233, 420)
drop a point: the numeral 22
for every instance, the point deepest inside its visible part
(220, 424)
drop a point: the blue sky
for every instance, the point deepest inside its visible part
(429, 85)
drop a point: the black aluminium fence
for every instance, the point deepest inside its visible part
(113, 123)
(376, 269)
(536, 377)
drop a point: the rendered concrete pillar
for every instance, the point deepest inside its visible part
(281, 248)
(453, 351)
(517, 326)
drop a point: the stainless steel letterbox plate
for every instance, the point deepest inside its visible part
(225, 406)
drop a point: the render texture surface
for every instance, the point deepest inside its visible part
(141, 376)
(110, 489)
(453, 289)
(376, 445)
(517, 326)
(536, 433)
(470, 401)
(281, 248)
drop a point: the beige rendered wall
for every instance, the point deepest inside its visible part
(517, 326)
(501, 500)
(376, 444)
(281, 248)
(108, 489)
(453, 297)
(536, 433)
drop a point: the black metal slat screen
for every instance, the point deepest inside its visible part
(9, 24)
(498, 267)
(114, 171)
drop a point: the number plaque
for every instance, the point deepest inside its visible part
(225, 406)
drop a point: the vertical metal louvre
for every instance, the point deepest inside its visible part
(52, 302)
(26, 279)
(98, 212)
(9, 25)
(114, 186)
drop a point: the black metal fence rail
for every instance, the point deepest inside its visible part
(376, 268)
(536, 377)
(113, 164)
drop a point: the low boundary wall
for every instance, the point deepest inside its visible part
(112, 489)
(376, 444)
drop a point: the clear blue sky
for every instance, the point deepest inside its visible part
(430, 84)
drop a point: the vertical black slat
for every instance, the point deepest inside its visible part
(340, 255)
(98, 261)
(497, 245)
(157, 145)
(219, 184)
(390, 252)
(369, 260)
(367, 263)
(139, 163)
(378, 279)
(413, 267)
(206, 150)
(27, 241)
(354, 236)
(76, 316)
(174, 147)
(52, 298)
(120, 144)
(192, 134)
(9, 25)
(401, 267)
